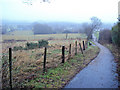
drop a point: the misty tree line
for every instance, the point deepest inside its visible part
(6, 28)
(111, 36)
(89, 28)
(57, 27)
(41, 28)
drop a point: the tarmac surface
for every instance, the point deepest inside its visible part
(100, 73)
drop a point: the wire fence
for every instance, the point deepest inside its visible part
(22, 65)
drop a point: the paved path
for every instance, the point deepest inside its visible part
(100, 73)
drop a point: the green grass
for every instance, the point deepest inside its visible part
(57, 51)
(53, 78)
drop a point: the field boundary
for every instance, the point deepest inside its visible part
(63, 57)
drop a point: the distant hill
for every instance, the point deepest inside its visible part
(18, 32)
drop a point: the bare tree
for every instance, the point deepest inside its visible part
(88, 28)
(95, 25)
(105, 36)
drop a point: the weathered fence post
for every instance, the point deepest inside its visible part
(86, 44)
(63, 54)
(10, 67)
(75, 47)
(83, 45)
(81, 48)
(44, 63)
(69, 52)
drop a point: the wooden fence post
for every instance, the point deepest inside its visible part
(86, 44)
(75, 47)
(81, 48)
(10, 67)
(83, 45)
(69, 52)
(63, 54)
(44, 63)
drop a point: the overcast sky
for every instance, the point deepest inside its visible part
(60, 10)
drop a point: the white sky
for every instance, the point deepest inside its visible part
(60, 10)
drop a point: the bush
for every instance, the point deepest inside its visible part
(105, 36)
(116, 34)
(42, 43)
(18, 48)
(31, 45)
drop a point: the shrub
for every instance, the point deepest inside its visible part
(18, 48)
(31, 45)
(105, 36)
(42, 43)
(116, 34)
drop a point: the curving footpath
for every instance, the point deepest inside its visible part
(100, 73)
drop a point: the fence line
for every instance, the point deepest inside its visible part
(45, 57)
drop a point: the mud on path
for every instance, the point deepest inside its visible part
(100, 73)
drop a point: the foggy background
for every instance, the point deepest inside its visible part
(57, 15)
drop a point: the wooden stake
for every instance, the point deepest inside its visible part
(63, 54)
(83, 45)
(81, 48)
(10, 67)
(75, 47)
(69, 52)
(44, 65)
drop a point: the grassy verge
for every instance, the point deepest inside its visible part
(58, 77)
(116, 52)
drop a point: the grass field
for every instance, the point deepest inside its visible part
(27, 69)
(52, 38)
(29, 63)
(44, 36)
(28, 35)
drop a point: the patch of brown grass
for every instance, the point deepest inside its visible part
(28, 64)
